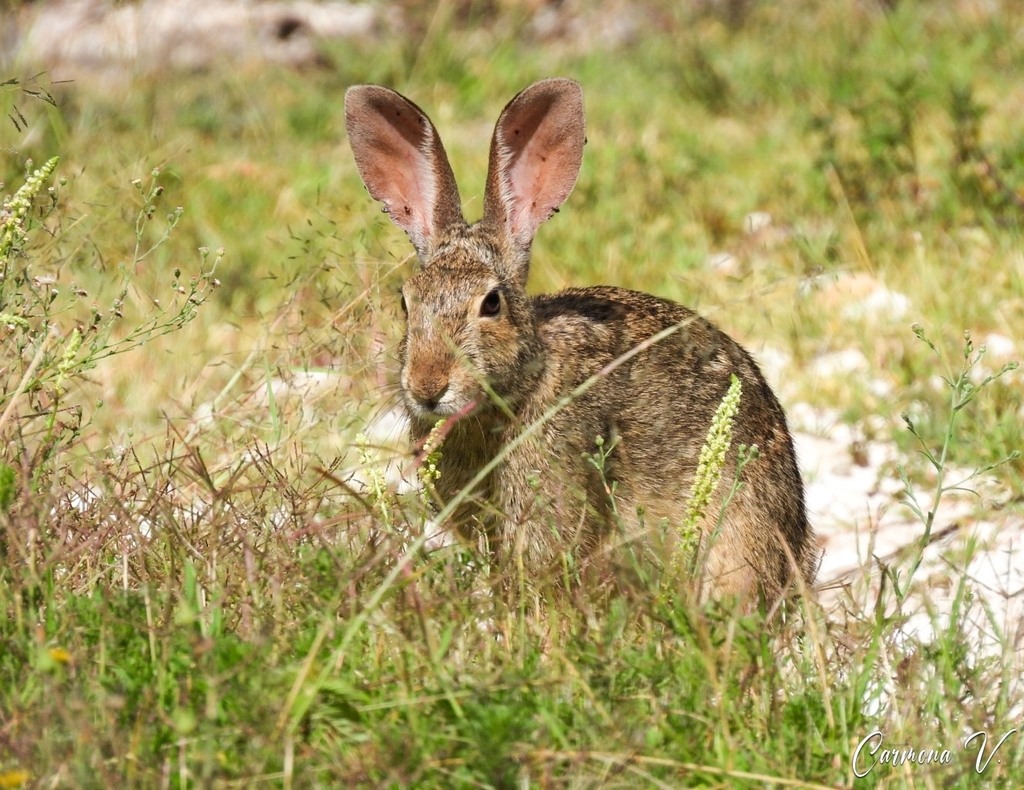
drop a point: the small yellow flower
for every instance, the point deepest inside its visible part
(12, 779)
(375, 477)
(428, 471)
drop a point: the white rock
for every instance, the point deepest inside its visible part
(723, 263)
(879, 303)
(837, 364)
(756, 221)
(999, 347)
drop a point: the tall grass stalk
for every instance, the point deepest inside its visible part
(962, 392)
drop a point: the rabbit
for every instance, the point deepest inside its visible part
(481, 353)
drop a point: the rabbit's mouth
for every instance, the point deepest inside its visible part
(440, 403)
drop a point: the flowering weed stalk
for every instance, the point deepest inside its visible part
(430, 457)
(380, 498)
(709, 473)
(15, 213)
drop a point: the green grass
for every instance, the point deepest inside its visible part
(197, 592)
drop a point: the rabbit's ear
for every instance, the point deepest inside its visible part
(402, 163)
(535, 159)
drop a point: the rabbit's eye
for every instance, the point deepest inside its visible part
(491, 305)
(405, 307)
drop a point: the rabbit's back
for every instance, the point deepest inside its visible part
(656, 407)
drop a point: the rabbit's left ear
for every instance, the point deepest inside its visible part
(535, 158)
(403, 163)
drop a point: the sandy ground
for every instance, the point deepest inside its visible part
(860, 514)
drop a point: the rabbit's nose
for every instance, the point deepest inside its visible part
(428, 391)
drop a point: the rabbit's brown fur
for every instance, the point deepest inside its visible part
(478, 349)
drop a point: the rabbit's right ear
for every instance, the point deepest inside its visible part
(402, 163)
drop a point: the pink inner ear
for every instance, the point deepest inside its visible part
(539, 183)
(408, 192)
(526, 179)
(537, 152)
(397, 174)
(529, 196)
